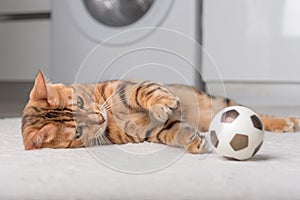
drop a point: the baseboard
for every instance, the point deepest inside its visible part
(258, 94)
(15, 91)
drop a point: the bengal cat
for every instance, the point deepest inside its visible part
(119, 112)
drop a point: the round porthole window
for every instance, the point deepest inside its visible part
(100, 19)
(117, 13)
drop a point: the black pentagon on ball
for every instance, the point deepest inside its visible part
(257, 148)
(214, 138)
(256, 122)
(229, 116)
(239, 142)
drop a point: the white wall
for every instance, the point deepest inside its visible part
(256, 45)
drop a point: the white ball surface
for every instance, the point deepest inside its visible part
(236, 132)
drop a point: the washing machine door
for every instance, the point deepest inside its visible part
(101, 19)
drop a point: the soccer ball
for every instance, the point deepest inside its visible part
(236, 132)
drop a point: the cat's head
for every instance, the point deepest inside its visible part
(61, 116)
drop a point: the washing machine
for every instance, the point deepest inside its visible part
(140, 39)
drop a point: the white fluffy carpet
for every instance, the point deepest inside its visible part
(274, 173)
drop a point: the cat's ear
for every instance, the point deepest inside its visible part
(36, 138)
(52, 95)
(43, 91)
(39, 91)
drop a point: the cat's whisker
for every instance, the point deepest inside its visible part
(115, 100)
(110, 101)
(107, 140)
(97, 139)
(101, 139)
(108, 105)
(116, 92)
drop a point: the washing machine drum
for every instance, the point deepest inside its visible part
(119, 12)
(101, 19)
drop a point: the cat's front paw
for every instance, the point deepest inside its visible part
(198, 145)
(164, 109)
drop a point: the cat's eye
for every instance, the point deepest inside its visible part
(79, 102)
(78, 133)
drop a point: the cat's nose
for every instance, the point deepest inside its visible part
(102, 119)
(97, 118)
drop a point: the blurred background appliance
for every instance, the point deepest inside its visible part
(79, 25)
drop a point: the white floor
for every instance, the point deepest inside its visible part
(147, 171)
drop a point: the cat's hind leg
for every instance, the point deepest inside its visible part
(280, 124)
